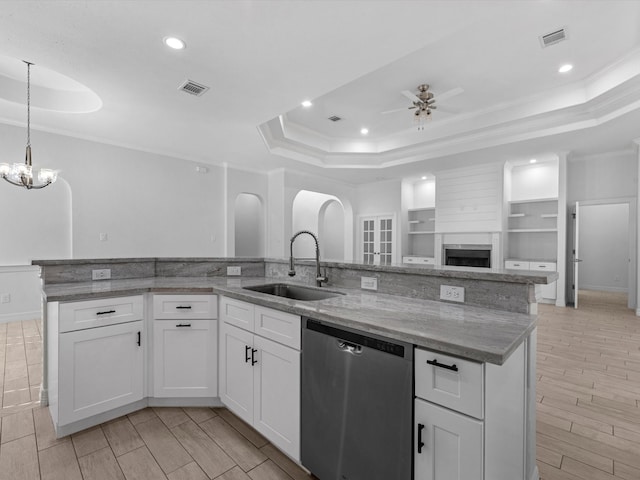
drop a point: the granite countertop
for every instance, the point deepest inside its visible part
(471, 332)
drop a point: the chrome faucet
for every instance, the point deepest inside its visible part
(292, 271)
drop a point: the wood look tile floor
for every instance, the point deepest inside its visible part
(588, 414)
(588, 390)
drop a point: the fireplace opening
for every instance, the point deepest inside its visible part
(468, 255)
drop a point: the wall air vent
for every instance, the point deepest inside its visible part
(335, 118)
(553, 37)
(193, 88)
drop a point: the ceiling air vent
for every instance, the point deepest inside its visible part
(193, 88)
(335, 118)
(553, 37)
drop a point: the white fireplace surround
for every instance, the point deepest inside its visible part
(471, 238)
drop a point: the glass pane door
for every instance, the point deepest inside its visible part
(368, 242)
(386, 241)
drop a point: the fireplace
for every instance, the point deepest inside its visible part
(467, 255)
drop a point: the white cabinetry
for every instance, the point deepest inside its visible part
(185, 346)
(449, 445)
(547, 292)
(470, 418)
(421, 242)
(260, 370)
(97, 370)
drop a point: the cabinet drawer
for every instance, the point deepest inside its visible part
(419, 260)
(236, 312)
(185, 306)
(279, 326)
(99, 313)
(459, 387)
(543, 266)
(516, 265)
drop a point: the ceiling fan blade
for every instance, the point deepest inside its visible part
(449, 94)
(403, 109)
(410, 96)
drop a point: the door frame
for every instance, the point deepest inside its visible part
(632, 271)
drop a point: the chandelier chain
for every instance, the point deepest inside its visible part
(28, 102)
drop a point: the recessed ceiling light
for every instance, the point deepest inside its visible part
(175, 43)
(567, 67)
(307, 103)
(424, 178)
(364, 131)
(533, 160)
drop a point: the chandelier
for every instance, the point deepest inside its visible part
(21, 174)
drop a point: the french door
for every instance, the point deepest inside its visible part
(377, 244)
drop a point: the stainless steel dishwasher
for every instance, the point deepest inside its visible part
(356, 412)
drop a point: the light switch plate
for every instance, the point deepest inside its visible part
(101, 274)
(453, 294)
(234, 271)
(369, 283)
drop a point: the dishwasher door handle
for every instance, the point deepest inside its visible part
(351, 348)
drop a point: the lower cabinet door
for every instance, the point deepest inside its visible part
(448, 445)
(237, 357)
(185, 358)
(277, 395)
(99, 369)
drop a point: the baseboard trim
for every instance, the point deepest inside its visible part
(19, 317)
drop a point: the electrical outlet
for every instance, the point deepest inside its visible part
(234, 271)
(369, 283)
(453, 294)
(5, 298)
(101, 274)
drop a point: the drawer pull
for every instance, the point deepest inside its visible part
(435, 363)
(106, 312)
(183, 325)
(420, 442)
(139, 339)
(183, 307)
(247, 348)
(253, 358)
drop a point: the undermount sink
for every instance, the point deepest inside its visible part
(295, 292)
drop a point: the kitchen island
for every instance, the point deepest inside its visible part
(501, 343)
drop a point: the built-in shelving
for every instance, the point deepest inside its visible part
(421, 242)
(532, 228)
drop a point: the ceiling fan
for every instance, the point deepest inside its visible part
(424, 102)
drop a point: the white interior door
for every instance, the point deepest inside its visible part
(378, 240)
(576, 250)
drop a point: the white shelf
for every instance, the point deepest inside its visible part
(514, 215)
(416, 221)
(420, 209)
(549, 215)
(532, 230)
(420, 233)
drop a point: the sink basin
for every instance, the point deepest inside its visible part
(294, 292)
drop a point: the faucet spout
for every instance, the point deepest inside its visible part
(292, 270)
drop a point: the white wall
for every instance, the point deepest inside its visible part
(606, 176)
(533, 181)
(284, 186)
(424, 194)
(332, 231)
(249, 217)
(604, 247)
(148, 205)
(470, 199)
